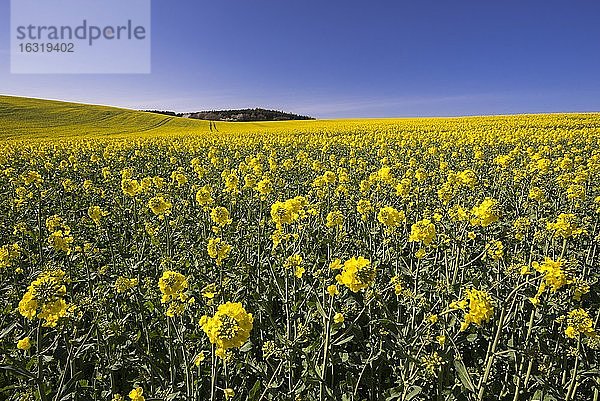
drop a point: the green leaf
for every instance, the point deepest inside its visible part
(321, 310)
(416, 390)
(7, 330)
(18, 370)
(318, 371)
(69, 387)
(246, 347)
(254, 391)
(344, 341)
(463, 375)
(394, 393)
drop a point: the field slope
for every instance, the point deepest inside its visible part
(29, 118)
(36, 118)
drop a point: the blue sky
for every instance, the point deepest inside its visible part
(330, 59)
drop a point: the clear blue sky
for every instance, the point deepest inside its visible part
(330, 58)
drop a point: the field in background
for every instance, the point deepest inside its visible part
(41, 119)
(32, 119)
(398, 259)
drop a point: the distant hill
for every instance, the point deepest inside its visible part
(239, 115)
(31, 118)
(40, 118)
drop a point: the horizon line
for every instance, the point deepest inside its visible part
(525, 113)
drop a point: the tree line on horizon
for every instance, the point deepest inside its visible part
(238, 115)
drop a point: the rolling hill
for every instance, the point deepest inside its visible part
(37, 118)
(30, 118)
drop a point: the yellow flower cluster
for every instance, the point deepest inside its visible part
(396, 282)
(45, 298)
(60, 238)
(159, 206)
(96, 213)
(576, 192)
(390, 217)
(137, 394)
(218, 249)
(8, 253)
(209, 291)
(220, 216)
(332, 290)
(24, 344)
(173, 287)
(179, 177)
(578, 322)
(494, 249)
(357, 274)
(124, 284)
(130, 187)
(204, 196)
(485, 213)
(334, 219)
(554, 276)
(432, 363)
(422, 231)
(32, 177)
(537, 194)
(520, 226)
(468, 178)
(294, 263)
(565, 226)
(264, 187)
(478, 308)
(289, 211)
(231, 181)
(229, 328)
(364, 207)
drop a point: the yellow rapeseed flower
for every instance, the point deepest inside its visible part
(160, 206)
(357, 274)
(24, 344)
(137, 394)
(422, 231)
(218, 249)
(390, 217)
(335, 219)
(565, 226)
(578, 322)
(485, 213)
(230, 326)
(477, 306)
(220, 216)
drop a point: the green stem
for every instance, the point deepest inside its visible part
(288, 332)
(40, 362)
(325, 350)
(171, 354)
(572, 385)
(490, 357)
(186, 369)
(529, 328)
(213, 374)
